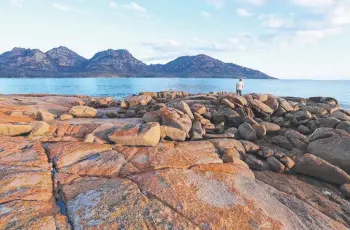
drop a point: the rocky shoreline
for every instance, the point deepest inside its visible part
(174, 160)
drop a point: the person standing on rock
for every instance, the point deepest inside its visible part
(239, 87)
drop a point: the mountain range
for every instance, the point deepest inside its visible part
(63, 62)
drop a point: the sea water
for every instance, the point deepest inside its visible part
(121, 87)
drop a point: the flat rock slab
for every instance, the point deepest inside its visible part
(11, 114)
(104, 164)
(237, 167)
(123, 161)
(67, 132)
(17, 151)
(26, 187)
(54, 104)
(21, 183)
(31, 215)
(94, 203)
(320, 205)
(168, 155)
(217, 200)
(66, 154)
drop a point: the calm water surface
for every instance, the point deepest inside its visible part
(120, 87)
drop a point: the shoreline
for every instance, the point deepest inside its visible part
(162, 77)
(172, 158)
(121, 97)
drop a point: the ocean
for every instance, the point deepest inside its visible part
(121, 87)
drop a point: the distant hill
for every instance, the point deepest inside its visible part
(119, 62)
(63, 62)
(66, 60)
(26, 62)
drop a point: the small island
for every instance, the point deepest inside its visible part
(174, 160)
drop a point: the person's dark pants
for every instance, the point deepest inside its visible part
(239, 92)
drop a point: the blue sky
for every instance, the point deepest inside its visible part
(284, 38)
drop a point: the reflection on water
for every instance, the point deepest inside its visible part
(120, 87)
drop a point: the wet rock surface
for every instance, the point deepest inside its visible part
(173, 160)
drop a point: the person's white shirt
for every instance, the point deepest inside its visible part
(240, 85)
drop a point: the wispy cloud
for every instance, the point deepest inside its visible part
(306, 36)
(314, 3)
(302, 36)
(216, 3)
(293, 29)
(134, 6)
(340, 14)
(164, 46)
(64, 7)
(162, 58)
(113, 5)
(254, 2)
(198, 40)
(244, 13)
(18, 3)
(206, 14)
(123, 16)
(240, 42)
(277, 21)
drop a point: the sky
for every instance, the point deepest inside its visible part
(299, 39)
